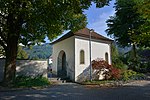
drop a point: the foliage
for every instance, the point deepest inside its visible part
(100, 64)
(129, 29)
(144, 67)
(116, 61)
(131, 75)
(143, 7)
(2, 51)
(144, 53)
(141, 64)
(126, 75)
(28, 81)
(30, 21)
(22, 54)
(144, 57)
(115, 73)
(39, 51)
(124, 26)
(110, 72)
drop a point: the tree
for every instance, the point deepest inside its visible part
(131, 23)
(116, 58)
(21, 54)
(124, 26)
(29, 21)
(143, 8)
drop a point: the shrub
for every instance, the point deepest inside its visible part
(117, 63)
(115, 73)
(144, 67)
(28, 81)
(109, 71)
(117, 58)
(100, 64)
(131, 75)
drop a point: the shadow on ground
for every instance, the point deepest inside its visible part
(73, 91)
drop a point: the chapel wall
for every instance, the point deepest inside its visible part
(68, 47)
(98, 50)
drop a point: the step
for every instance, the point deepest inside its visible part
(54, 78)
(57, 80)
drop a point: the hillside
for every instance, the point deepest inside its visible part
(39, 51)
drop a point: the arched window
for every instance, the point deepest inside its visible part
(106, 57)
(82, 57)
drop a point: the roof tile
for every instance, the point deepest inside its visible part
(83, 33)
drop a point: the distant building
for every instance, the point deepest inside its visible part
(71, 53)
(50, 60)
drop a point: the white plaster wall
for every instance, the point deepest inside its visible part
(68, 47)
(27, 68)
(32, 67)
(98, 50)
(81, 44)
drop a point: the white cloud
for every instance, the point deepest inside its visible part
(100, 25)
(97, 17)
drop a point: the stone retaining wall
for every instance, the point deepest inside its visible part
(27, 67)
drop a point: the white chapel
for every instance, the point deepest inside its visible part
(71, 53)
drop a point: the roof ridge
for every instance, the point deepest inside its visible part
(83, 33)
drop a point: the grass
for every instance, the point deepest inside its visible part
(28, 81)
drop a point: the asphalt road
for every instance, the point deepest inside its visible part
(78, 92)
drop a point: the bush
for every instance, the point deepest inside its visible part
(117, 63)
(131, 75)
(117, 58)
(109, 71)
(28, 81)
(100, 64)
(144, 67)
(115, 73)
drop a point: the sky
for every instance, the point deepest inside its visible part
(96, 18)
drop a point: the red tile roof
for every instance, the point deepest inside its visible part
(84, 33)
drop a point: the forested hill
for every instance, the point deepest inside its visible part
(39, 51)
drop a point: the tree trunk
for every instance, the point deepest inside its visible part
(134, 52)
(14, 24)
(134, 59)
(11, 50)
(10, 64)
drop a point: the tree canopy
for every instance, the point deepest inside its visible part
(143, 8)
(126, 24)
(29, 21)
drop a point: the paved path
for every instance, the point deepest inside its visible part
(78, 92)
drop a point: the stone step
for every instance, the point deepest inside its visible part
(57, 80)
(54, 78)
